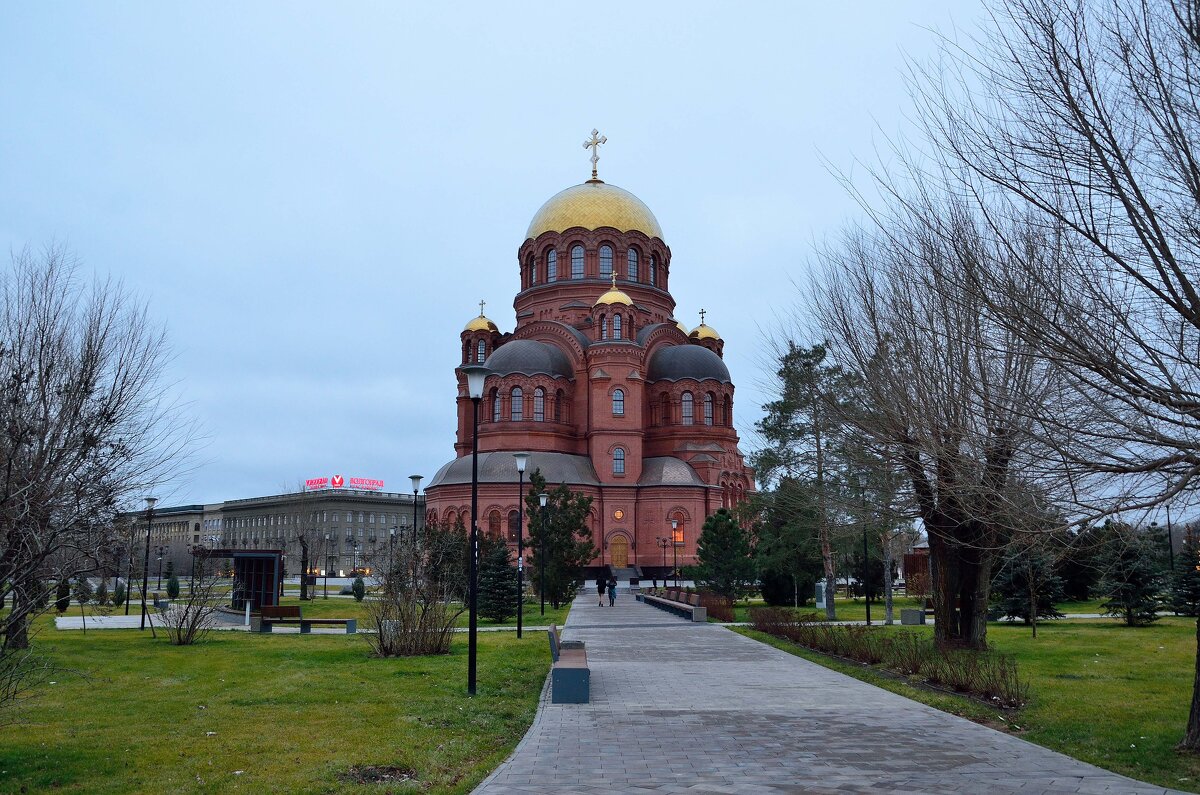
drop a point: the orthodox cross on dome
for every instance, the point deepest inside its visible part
(593, 143)
(702, 313)
(481, 303)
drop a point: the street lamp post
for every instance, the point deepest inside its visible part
(675, 549)
(391, 544)
(664, 542)
(416, 484)
(160, 550)
(150, 501)
(325, 569)
(522, 460)
(129, 571)
(543, 498)
(476, 375)
(866, 576)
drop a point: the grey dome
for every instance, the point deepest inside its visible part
(677, 362)
(668, 471)
(530, 357)
(501, 467)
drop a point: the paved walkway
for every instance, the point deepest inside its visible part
(680, 707)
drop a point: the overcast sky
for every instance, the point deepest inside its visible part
(314, 198)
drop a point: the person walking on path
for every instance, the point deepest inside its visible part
(612, 591)
(600, 591)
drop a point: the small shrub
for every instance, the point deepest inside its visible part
(119, 594)
(359, 589)
(101, 595)
(172, 587)
(718, 607)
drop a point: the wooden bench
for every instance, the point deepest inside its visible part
(570, 677)
(270, 615)
(685, 605)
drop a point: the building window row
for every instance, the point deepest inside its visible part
(714, 410)
(546, 270)
(617, 326)
(516, 405)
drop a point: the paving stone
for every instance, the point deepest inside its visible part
(678, 707)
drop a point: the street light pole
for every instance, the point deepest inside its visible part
(663, 542)
(866, 575)
(325, 568)
(129, 570)
(416, 484)
(522, 460)
(146, 563)
(543, 498)
(160, 552)
(476, 375)
(675, 549)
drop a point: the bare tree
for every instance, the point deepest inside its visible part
(189, 619)
(949, 393)
(1085, 118)
(85, 426)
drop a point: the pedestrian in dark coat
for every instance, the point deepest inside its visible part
(600, 591)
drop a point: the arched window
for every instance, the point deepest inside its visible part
(665, 403)
(653, 270)
(687, 409)
(604, 327)
(495, 405)
(480, 352)
(618, 461)
(619, 402)
(494, 524)
(577, 262)
(616, 327)
(539, 405)
(633, 265)
(606, 262)
(551, 265)
(558, 406)
(531, 270)
(512, 525)
(708, 408)
(516, 409)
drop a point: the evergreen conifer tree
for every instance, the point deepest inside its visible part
(119, 594)
(1132, 580)
(1025, 578)
(172, 587)
(497, 581)
(723, 554)
(83, 591)
(359, 589)
(62, 595)
(1185, 581)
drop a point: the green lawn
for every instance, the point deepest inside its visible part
(1111, 695)
(265, 713)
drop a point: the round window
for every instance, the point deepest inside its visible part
(618, 514)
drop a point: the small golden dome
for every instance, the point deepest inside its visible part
(613, 296)
(703, 332)
(681, 327)
(481, 323)
(592, 205)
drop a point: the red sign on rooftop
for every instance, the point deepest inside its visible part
(339, 482)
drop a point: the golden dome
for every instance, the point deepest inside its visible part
(614, 296)
(592, 205)
(681, 327)
(703, 332)
(481, 323)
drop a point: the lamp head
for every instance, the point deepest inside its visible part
(476, 374)
(392, 532)
(150, 502)
(416, 481)
(543, 498)
(674, 524)
(522, 460)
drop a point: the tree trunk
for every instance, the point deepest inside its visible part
(1032, 601)
(16, 629)
(823, 521)
(1191, 740)
(303, 569)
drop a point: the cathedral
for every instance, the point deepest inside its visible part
(603, 386)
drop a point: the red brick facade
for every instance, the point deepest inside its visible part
(595, 385)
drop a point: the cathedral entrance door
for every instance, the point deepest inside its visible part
(618, 552)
